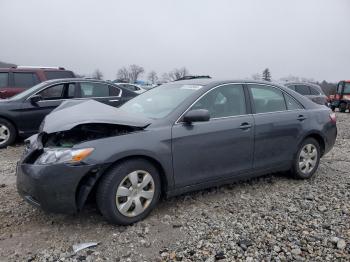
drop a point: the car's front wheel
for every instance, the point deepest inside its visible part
(307, 159)
(7, 133)
(129, 191)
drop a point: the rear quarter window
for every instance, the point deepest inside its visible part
(58, 74)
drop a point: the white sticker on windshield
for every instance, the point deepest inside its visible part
(191, 87)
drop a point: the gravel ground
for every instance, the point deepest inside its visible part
(271, 218)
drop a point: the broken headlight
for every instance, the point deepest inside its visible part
(63, 155)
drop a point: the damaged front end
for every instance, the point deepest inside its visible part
(85, 132)
(55, 171)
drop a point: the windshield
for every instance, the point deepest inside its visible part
(27, 92)
(160, 101)
(347, 88)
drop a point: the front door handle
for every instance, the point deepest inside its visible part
(245, 126)
(301, 118)
(114, 100)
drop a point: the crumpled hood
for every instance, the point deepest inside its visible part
(76, 112)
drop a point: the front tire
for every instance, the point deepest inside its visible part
(307, 159)
(129, 191)
(8, 133)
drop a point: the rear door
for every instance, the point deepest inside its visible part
(101, 92)
(219, 148)
(279, 124)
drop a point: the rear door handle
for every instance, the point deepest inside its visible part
(245, 126)
(301, 118)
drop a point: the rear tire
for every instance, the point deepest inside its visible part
(129, 191)
(8, 133)
(342, 107)
(307, 159)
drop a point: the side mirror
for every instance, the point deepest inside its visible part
(197, 115)
(35, 99)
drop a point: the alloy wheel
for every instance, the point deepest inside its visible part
(308, 158)
(4, 134)
(135, 193)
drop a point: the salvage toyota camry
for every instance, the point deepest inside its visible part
(178, 137)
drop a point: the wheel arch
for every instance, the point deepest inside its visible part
(319, 138)
(88, 184)
(11, 121)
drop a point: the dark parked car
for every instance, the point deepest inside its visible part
(16, 79)
(22, 114)
(178, 137)
(312, 91)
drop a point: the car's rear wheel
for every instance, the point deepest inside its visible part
(342, 107)
(129, 191)
(307, 159)
(7, 133)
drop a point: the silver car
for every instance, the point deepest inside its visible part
(312, 91)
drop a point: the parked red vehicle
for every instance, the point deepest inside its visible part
(341, 99)
(16, 79)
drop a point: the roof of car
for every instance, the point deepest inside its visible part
(302, 83)
(209, 81)
(77, 80)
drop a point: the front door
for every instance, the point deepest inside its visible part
(34, 113)
(219, 148)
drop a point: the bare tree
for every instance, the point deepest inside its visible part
(266, 75)
(165, 78)
(123, 74)
(135, 71)
(152, 77)
(256, 76)
(97, 74)
(178, 73)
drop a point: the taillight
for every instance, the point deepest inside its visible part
(333, 117)
(337, 96)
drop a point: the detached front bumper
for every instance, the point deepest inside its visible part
(51, 187)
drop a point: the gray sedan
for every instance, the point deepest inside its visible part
(175, 138)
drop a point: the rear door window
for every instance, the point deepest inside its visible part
(24, 79)
(267, 99)
(58, 74)
(314, 91)
(4, 79)
(114, 91)
(71, 90)
(94, 90)
(302, 89)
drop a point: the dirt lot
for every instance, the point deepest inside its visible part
(271, 218)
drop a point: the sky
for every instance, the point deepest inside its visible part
(229, 39)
